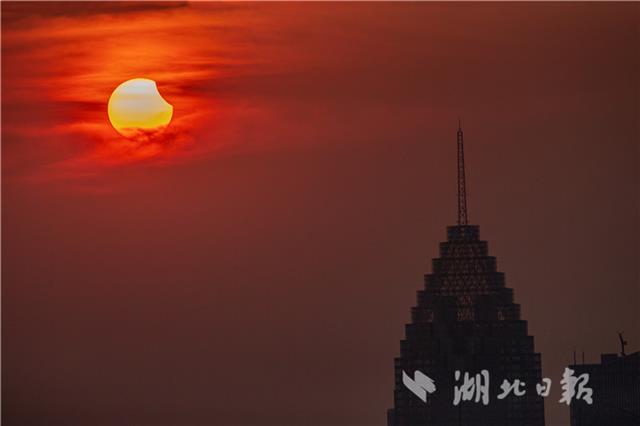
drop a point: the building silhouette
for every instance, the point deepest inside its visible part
(616, 392)
(466, 320)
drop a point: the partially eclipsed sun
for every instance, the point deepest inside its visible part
(136, 108)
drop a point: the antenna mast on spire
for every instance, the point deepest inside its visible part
(462, 188)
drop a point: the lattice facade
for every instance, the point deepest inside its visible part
(466, 320)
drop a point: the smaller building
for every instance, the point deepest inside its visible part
(616, 392)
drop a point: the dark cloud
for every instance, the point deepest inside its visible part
(16, 13)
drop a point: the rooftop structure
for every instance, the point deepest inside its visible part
(465, 319)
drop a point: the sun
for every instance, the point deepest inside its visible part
(136, 108)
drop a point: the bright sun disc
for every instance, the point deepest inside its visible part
(137, 108)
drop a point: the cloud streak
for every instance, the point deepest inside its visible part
(60, 64)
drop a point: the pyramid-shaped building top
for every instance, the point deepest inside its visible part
(466, 320)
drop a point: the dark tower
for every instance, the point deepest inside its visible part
(466, 320)
(616, 391)
(462, 180)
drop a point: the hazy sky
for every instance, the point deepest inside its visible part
(258, 264)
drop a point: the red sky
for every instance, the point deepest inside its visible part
(276, 236)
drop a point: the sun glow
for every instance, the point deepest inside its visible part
(137, 108)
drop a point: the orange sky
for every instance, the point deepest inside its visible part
(278, 232)
(84, 53)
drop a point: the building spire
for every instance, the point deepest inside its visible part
(462, 189)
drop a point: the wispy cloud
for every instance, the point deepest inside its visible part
(61, 62)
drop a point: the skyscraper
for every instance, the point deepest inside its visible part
(616, 391)
(466, 320)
